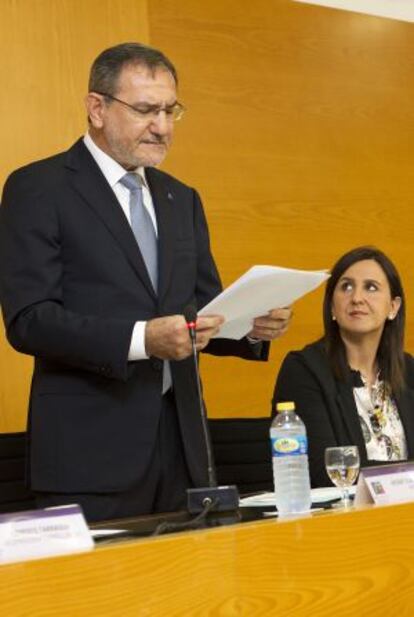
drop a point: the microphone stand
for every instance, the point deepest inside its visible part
(212, 498)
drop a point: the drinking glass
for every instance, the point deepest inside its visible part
(342, 466)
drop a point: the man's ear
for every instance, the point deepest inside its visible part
(95, 105)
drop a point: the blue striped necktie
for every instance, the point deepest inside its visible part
(144, 232)
(142, 226)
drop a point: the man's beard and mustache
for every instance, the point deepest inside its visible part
(128, 156)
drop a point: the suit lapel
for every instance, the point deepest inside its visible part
(405, 405)
(164, 203)
(346, 402)
(341, 404)
(90, 183)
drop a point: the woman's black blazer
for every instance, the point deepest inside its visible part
(327, 406)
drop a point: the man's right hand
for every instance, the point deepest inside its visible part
(168, 337)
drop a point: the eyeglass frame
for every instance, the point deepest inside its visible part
(153, 110)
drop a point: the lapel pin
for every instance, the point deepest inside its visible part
(170, 196)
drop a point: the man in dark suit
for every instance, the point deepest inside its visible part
(98, 302)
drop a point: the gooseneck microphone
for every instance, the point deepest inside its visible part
(211, 498)
(190, 316)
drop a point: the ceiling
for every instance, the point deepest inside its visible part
(393, 9)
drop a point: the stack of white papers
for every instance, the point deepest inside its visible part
(256, 292)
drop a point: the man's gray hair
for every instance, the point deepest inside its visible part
(108, 65)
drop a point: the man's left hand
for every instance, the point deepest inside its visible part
(271, 326)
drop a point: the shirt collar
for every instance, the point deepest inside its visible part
(110, 168)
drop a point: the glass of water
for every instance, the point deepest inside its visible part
(342, 466)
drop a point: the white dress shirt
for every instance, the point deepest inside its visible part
(113, 173)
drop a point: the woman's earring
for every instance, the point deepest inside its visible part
(391, 316)
(333, 318)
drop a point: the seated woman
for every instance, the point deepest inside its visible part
(355, 386)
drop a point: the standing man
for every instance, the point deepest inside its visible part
(99, 254)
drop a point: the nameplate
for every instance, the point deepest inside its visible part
(43, 533)
(385, 484)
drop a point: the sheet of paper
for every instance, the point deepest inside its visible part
(104, 533)
(256, 292)
(319, 495)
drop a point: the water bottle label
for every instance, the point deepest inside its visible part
(288, 446)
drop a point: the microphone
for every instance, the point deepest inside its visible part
(212, 498)
(190, 316)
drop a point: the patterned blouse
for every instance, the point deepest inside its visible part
(380, 422)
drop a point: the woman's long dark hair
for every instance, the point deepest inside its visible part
(390, 355)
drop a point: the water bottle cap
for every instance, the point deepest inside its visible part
(287, 406)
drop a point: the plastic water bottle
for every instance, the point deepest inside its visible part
(290, 461)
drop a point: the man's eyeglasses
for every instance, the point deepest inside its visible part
(149, 112)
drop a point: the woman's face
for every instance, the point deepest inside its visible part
(362, 302)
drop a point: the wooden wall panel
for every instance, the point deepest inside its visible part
(47, 48)
(300, 137)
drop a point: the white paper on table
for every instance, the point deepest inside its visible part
(256, 292)
(103, 533)
(319, 495)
